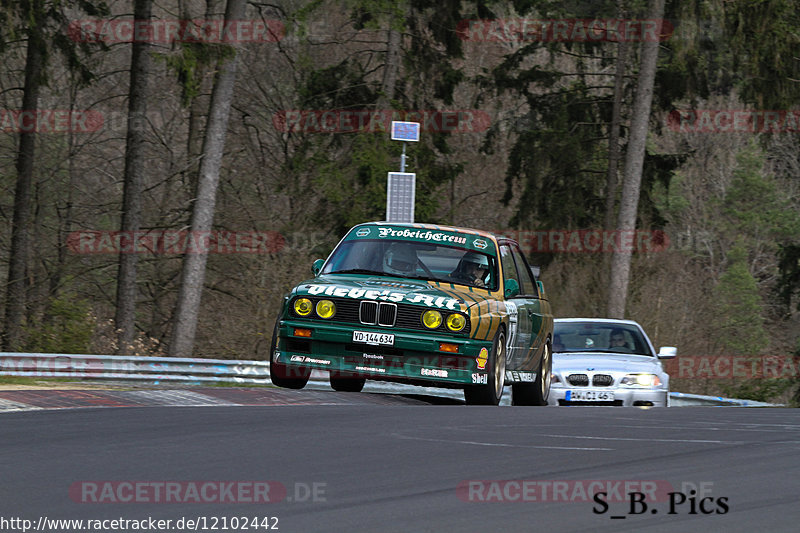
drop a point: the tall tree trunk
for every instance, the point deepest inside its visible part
(634, 163)
(16, 289)
(613, 136)
(135, 160)
(194, 262)
(391, 68)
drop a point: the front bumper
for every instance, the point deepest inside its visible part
(414, 358)
(623, 396)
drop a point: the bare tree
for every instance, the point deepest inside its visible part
(125, 317)
(194, 262)
(634, 163)
(16, 289)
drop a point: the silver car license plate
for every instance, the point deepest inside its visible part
(589, 396)
(367, 337)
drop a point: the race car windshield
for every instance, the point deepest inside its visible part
(414, 260)
(582, 337)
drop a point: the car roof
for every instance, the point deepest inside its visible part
(599, 320)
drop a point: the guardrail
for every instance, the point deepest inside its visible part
(175, 369)
(133, 368)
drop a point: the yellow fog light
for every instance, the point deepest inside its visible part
(432, 319)
(326, 308)
(303, 306)
(456, 322)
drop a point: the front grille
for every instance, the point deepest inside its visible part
(387, 314)
(602, 380)
(374, 313)
(368, 313)
(578, 380)
(383, 314)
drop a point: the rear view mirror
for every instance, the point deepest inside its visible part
(667, 352)
(512, 288)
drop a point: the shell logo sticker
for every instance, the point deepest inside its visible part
(480, 244)
(483, 357)
(363, 232)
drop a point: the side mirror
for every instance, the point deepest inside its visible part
(317, 266)
(512, 288)
(667, 352)
(541, 288)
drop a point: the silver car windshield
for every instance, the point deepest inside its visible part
(599, 337)
(415, 260)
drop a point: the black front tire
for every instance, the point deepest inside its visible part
(492, 392)
(288, 377)
(346, 383)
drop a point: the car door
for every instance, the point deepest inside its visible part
(518, 308)
(532, 309)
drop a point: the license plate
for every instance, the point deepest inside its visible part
(366, 337)
(589, 396)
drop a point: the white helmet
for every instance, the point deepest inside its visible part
(477, 259)
(400, 259)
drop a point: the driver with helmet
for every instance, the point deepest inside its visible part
(472, 269)
(400, 259)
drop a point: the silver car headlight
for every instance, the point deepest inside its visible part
(641, 380)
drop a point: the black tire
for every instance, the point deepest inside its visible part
(346, 383)
(492, 392)
(535, 393)
(288, 377)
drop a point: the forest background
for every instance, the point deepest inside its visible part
(521, 135)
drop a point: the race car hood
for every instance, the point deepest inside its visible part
(608, 362)
(387, 289)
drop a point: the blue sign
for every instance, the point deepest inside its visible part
(405, 131)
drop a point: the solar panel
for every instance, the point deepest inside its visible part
(400, 197)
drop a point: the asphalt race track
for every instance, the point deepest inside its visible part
(327, 461)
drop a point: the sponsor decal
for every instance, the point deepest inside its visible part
(375, 356)
(483, 357)
(363, 232)
(425, 235)
(435, 372)
(317, 361)
(479, 379)
(297, 358)
(515, 375)
(385, 295)
(480, 244)
(371, 369)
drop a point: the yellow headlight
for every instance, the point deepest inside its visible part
(456, 322)
(432, 319)
(326, 308)
(303, 306)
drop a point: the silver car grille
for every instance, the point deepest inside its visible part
(374, 313)
(578, 380)
(602, 380)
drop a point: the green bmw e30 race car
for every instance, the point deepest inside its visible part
(421, 304)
